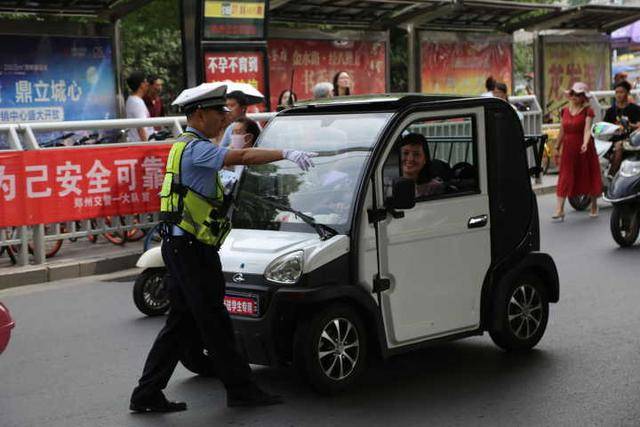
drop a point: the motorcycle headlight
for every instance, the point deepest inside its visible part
(286, 269)
(630, 168)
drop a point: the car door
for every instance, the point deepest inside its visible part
(437, 255)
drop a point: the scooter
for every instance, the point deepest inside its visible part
(603, 134)
(624, 193)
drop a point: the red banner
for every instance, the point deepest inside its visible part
(460, 64)
(317, 61)
(57, 185)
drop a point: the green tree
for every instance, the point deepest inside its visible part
(152, 43)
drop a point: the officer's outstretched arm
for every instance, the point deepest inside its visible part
(252, 156)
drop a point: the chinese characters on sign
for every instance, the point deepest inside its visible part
(98, 181)
(315, 61)
(240, 67)
(45, 78)
(565, 64)
(239, 19)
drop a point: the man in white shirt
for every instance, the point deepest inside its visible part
(490, 85)
(135, 106)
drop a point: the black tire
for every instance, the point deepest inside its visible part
(520, 311)
(323, 371)
(580, 203)
(150, 293)
(625, 225)
(197, 361)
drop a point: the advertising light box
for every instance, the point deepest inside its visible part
(45, 79)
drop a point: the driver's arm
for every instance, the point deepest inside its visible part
(252, 156)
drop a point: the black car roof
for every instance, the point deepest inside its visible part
(379, 102)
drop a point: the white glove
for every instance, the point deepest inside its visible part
(301, 158)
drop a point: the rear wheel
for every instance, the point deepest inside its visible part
(625, 225)
(330, 348)
(580, 203)
(150, 292)
(520, 313)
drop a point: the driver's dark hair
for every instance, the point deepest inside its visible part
(623, 84)
(336, 77)
(239, 97)
(250, 126)
(418, 139)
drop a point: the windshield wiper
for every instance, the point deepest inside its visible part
(324, 231)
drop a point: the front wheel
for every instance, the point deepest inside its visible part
(330, 348)
(580, 202)
(625, 225)
(520, 313)
(150, 292)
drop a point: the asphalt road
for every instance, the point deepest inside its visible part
(79, 346)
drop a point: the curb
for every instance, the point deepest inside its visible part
(33, 274)
(549, 189)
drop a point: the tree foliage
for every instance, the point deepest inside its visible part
(151, 43)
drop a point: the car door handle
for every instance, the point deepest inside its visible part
(477, 221)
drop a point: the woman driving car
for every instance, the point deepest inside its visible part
(415, 163)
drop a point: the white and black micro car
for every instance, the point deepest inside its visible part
(327, 267)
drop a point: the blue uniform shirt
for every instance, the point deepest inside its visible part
(201, 161)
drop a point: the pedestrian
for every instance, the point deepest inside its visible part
(192, 209)
(323, 90)
(501, 91)
(579, 166)
(342, 84)
(152, 99)
(490, 85)
(622, 109)
(286, 99)
(237, 104)
(135, 106)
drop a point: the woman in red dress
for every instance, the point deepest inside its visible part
(579, 165)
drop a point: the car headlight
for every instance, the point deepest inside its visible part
(286, 269)
(629, 168)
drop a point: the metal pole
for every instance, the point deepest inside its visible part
(23, 256)
(38, 244)
(412, 65)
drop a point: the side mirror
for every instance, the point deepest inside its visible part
(403, 194)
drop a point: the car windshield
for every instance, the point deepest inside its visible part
(324, 193)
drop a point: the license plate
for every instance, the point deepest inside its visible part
(241, 305)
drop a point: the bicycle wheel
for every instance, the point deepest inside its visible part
(51, 247)
(135, 234)
(117, 237)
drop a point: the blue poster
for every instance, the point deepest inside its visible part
(51, 78)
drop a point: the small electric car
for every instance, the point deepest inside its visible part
(357, 256)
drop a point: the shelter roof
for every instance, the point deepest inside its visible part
(108, 9)
(603, 18)
(450, 15)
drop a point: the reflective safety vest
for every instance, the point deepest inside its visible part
(203, 217)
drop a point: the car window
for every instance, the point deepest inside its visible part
(439, 155)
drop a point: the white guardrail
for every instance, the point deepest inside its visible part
(22, 136)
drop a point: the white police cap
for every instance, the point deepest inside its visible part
(206, 95)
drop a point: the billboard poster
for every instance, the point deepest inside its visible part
(316, 61)
(234, 20)
(48, 79)
(72, 184)
(459, 64)
(567, 63)
(237, 66)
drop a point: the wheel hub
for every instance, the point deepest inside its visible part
(338, 349)
(524, 311)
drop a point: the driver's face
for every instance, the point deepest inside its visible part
(413, 160)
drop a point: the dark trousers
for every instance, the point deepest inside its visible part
(197, 287)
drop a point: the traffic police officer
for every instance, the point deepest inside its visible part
(193, 206)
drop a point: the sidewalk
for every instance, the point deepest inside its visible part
(547, 186)
(78, 259)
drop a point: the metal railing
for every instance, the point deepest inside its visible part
(22, 136)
